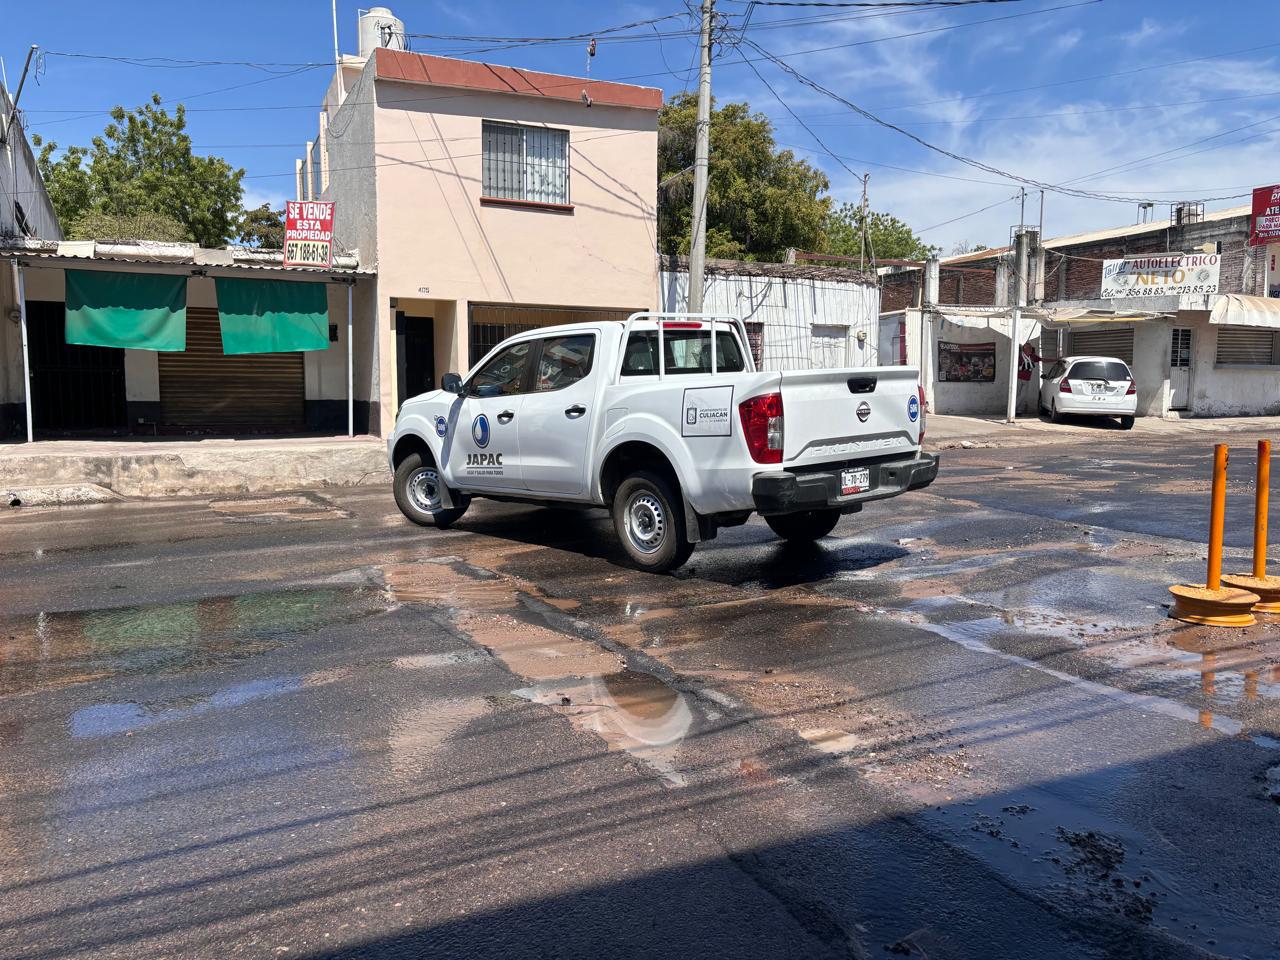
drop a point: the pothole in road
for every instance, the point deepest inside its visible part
(277, 509)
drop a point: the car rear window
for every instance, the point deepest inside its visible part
(688, 351)
(1099, 370)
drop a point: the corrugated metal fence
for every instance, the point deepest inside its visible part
(803, 323)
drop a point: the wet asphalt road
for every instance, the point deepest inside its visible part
(960, 727)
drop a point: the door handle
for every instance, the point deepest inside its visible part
(506, 416)
(574, 412)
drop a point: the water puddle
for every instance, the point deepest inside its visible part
(107, 719)
(629, 710)
(974, 634)
(417, 733)
(53, 650)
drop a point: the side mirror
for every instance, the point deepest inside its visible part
(451, 383)
(1044, 376)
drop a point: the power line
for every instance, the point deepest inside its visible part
(966, 216)
(868, 3)
(968, 161)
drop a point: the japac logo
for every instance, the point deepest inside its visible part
(442, 426)
(480, 431)
(913, 409)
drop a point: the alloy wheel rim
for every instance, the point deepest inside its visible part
(424, 490)
(646, 522)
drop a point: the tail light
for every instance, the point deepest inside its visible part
(920, 395)
(762, 426)
(1133, 389)
(1064, 386)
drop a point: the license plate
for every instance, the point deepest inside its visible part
(855, 481)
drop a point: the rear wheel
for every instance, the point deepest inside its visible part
(417, 489)
(1126, 423)
(804, 527)
(649, 520)
(1054, 415)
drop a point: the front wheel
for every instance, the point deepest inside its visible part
(649, 520)
(417, 489)
(804, 527)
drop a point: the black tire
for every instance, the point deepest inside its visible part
(411, 473)
(804, 527)
(1126, 423)
(648, 517)
(1054, 415)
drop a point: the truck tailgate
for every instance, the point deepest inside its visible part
(837, 415)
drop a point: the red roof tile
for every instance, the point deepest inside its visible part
(468, 75)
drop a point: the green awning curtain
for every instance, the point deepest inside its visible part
(272, 316)
(142, 311)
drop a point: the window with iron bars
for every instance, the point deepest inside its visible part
(525, 163)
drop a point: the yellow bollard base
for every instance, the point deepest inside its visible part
(1267, 588)
(1225, 607)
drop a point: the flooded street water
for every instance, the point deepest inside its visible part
(961, 726)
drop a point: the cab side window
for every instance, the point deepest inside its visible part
(564, 361)
(504, 374)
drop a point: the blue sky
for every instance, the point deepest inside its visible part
(1055, 90)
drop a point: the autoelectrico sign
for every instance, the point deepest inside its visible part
(308, 233)
(1174, 275)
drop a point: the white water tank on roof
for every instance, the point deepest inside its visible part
(379, 27)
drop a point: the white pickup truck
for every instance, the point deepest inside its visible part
(670, 428)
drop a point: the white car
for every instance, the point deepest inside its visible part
(673, 430)
(1089, 387)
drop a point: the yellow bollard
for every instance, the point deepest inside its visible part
(1210, 603)
(1267, 588)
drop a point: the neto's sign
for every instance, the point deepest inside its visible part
(308, 233)
(1174, 275)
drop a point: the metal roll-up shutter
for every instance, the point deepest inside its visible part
(1247, 346)
(203, 387)
(1103, 343)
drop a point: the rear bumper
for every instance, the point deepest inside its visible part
(778, 493)
(1121, 407)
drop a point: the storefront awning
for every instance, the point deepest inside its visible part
(272, 316)
(1238, 310)
(139, 311)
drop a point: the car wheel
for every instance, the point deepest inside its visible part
(1054, 415)
(649, 520)
(1126, 423)
(804, 527)
(417, 487)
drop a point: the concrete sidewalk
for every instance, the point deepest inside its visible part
(90, 471)
(949, 432)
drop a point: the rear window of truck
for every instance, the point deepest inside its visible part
(687, 351)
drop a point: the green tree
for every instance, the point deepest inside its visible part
(143, 225)
(263, 227)
(888, 237)
(760, 200)
(142, 162)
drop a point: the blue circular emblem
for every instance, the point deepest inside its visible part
(442, 426)
(913, 409)
(480, 431)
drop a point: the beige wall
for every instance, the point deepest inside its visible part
(437, 242)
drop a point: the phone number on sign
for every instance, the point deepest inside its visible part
(1185, 289)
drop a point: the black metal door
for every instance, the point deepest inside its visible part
(72, 387)
(416, 342)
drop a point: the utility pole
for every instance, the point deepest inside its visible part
(863, 255)
(702, 147)
(13, 106)
(1021, 256)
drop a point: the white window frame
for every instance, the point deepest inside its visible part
(563, 196)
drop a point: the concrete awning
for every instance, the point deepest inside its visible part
(1238, 310)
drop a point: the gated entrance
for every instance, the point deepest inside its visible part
(73, 387)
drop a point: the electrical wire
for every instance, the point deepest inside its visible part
(966, 216)
(960, 158)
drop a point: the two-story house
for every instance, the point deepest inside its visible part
(487, 199)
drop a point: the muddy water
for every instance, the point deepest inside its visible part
(56, 649)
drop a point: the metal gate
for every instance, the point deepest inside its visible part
(1103, 343)
(491, 323)
(1180, 369)
(203, 387)
(73, 387)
